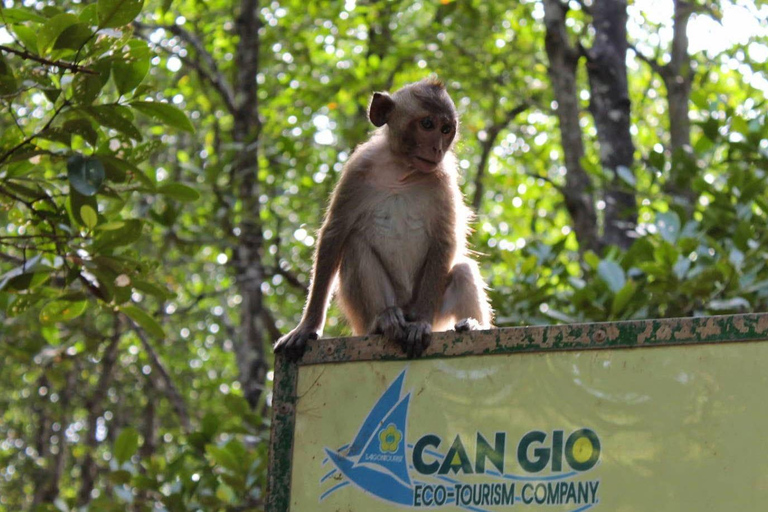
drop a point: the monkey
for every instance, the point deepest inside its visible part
(393, 241)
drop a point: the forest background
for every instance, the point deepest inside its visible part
(164, 166)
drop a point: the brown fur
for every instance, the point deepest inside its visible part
(395, 232)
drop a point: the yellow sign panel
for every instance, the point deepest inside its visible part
(661, 429)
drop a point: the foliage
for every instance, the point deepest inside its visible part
(121, 217)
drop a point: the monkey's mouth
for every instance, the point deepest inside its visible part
(423, 164)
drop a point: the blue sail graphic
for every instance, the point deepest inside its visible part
(387, 401)
(390, 453)
(375, 482)
(376, 460)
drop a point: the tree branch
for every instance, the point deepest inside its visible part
(210, 73)
(171, 391)
(24, 54)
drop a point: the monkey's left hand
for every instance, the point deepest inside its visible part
(417, 337)
(294, 343)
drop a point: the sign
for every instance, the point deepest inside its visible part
(530, 426)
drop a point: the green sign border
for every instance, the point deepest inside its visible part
(608, 335)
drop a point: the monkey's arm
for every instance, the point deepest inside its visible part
(427, 295)
(327, 261)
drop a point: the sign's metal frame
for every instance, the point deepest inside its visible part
(594, 336)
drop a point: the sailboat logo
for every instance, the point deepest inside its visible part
(375, 461)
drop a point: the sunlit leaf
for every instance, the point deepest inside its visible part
(52, 29)
(62, 311)
(116, 13)
(165, 113)
(126, 444)
(145, 321)
(613, 275)
(179, 192)
(130, 65)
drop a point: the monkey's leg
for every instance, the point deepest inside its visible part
(367, 295)
(465, 301)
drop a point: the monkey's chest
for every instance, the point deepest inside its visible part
(399, 231)
(399, 218)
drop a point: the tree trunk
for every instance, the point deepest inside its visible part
(249, 346)
(677, 76)
(563, 62)
(610, 107)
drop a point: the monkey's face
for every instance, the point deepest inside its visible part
(427, 139)
(421, 120)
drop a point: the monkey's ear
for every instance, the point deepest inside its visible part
(381, 106)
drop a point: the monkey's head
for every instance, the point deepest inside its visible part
(421, 122)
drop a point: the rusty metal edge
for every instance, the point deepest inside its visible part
(627, 334)
(278, 497)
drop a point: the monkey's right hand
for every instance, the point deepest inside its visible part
(391, 323)
(292, 345)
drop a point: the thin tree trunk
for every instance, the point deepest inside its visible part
(563, 63)
(95, 407)
(249, 274)
(677, 76)
(487, 146)
(610, 107)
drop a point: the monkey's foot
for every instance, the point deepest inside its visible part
(391, 323)
(467, 324)
(417, 337)
(293, 344)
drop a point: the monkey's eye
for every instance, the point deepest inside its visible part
(427, 123)
(447, 128)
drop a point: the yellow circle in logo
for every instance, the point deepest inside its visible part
(582, 450)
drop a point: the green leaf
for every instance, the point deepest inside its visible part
(130, 65)
(26, 36)
(62, 311)
(7, 80)
(126, 444)
(152, 289)
(149, 324)
(610, 272)
(591, 259)
(622, 298)
(120, 477)
(668, 224)
(85, 88)
(164, 113)
(52, 29)
(126, 235)
(85, 174)
(22, 303)
(76, 202)
(90, 14)
(114, 116)
(116, 13)
(25, 281)
(89, 216)
(73, 37)
(224, 458)
(210, 424)
(13, 15)
(119, 237)
(83, 128)
(625, 173)
(179, 192)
